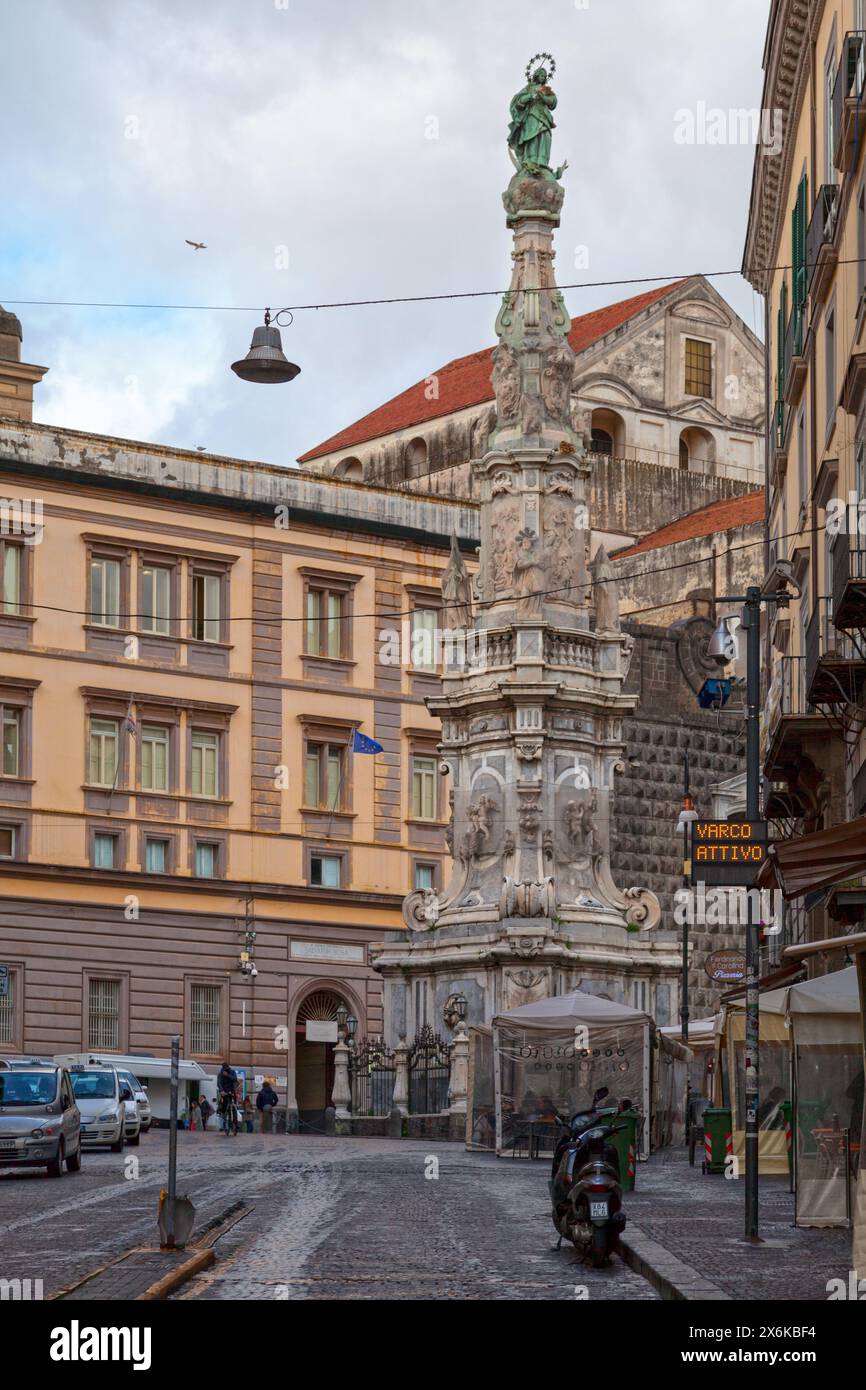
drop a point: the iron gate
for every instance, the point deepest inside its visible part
(372, 1073)
(429, 1073)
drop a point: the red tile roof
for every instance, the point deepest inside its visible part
(466, 380)
(745, 510)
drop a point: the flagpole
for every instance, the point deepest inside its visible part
(351, 752)
(127, 728)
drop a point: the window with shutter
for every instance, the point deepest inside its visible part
(798, 238)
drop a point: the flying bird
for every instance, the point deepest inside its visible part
(196, 245)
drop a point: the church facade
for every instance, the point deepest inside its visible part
(666, 393)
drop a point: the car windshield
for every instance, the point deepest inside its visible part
(27, 1087)
(130, 1080)
(94, 1085)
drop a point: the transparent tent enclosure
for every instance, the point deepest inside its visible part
(811, 1054)
(826, 1038)
(549, 1058)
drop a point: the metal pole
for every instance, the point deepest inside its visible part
(172, 1139)
(684, 1002)
(752, 624)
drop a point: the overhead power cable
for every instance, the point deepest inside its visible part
(399, 298)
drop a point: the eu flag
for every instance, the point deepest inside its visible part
(362, 744)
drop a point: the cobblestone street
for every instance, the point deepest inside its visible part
(331, 1219)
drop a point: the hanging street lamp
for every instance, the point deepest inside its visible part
(266, 362)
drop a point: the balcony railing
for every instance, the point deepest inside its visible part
(834, 665)
(821, 231)
(792, 698)
(849, 111)
(849, 580)
(793, 362)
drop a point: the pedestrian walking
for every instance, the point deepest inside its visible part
(265, 1102)
(248, 1116)
(205, 1110)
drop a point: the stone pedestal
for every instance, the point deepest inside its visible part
(459, 1080)
(341, 1095)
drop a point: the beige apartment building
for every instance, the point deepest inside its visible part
(188, 843)
(806, 252)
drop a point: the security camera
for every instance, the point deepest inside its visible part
(780, 576)
(722, 646)
(253, 971)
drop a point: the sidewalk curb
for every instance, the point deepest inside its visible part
(202, 1256)
(673, 1279)
(202, 1259)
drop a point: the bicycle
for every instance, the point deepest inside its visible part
(230, 1115)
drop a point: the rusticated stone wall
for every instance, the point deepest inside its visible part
(647, 849)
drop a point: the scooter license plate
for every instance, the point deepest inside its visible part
(597, 1209)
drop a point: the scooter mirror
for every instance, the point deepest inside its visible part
(600, 1094)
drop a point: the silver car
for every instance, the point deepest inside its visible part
(40, 1123)
(103, 1107)
(139, 1095)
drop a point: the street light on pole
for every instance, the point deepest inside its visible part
(720, 647)
(688, 816)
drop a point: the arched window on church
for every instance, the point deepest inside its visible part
(697, 450)
(608, 433)
(416, 458)
(349, 468)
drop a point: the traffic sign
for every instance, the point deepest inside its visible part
(728, 852)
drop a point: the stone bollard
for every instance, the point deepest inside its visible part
(330, 1121)
(400, 1099)
(341, 1095)
(458, 1085)
(395, 1123)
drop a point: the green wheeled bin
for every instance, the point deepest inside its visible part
(718, 1138)
(625, 1143)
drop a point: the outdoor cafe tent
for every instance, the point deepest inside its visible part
(702, 1045)
(826, 1040)
(774, 1061)
(550, 1056)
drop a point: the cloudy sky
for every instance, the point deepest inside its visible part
(327, 150)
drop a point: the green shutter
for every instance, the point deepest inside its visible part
(798, 240)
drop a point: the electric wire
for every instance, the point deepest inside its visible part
(405, 298)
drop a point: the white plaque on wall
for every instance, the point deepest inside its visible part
(326, 950)
(321, 1030)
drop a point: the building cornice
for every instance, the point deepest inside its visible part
(791, 29)
(195, 887)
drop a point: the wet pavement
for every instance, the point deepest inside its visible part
(331, 1218)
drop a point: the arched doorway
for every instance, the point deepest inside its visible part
(314, 1055)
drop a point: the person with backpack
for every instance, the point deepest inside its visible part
(265, 1102)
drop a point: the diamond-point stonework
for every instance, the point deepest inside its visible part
(531, 731)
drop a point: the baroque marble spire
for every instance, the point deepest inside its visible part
(532, 703)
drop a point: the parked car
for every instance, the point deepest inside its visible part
(139, 1093)
(40, 1122)
(131, 1115)
(98, 1094)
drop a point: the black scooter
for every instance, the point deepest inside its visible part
(585, 1189)
(582, 1120)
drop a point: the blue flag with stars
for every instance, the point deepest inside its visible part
(362, 744)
